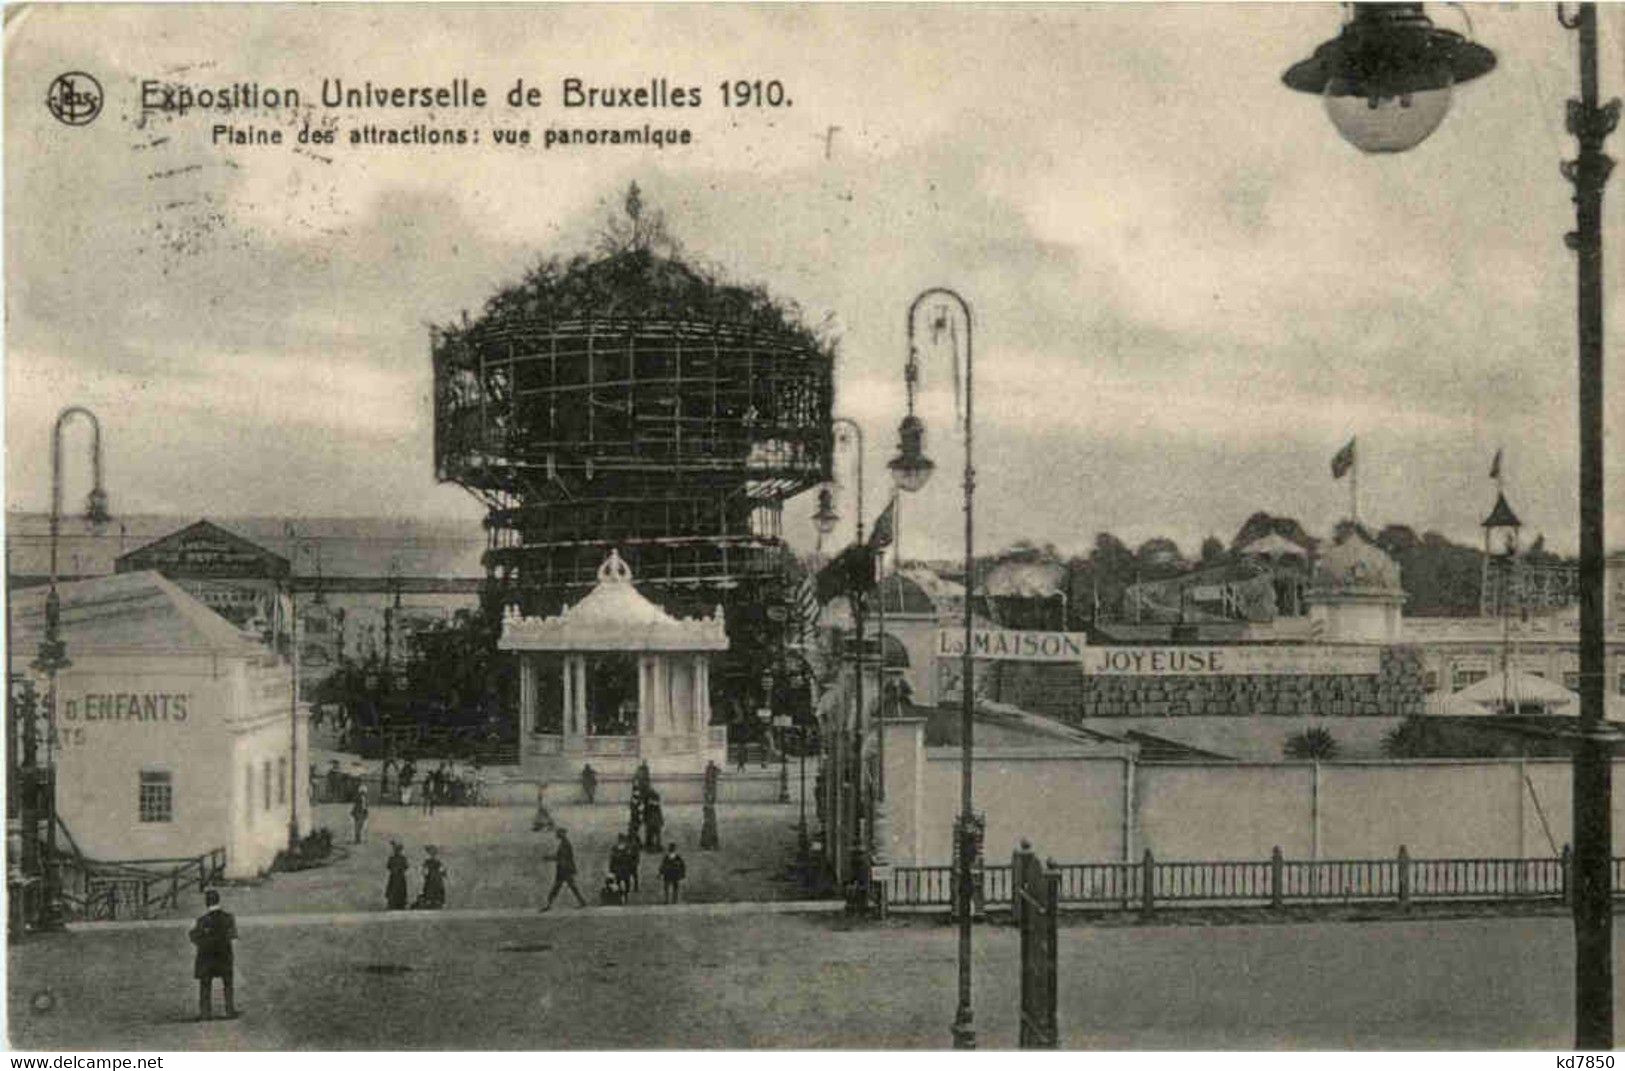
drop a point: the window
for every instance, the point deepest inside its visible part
(1430, 680)
(157, 798)
(282, 780)
(265, 779)
(248, 790)
(1462, 676)
(1620, 685)
(1571, 680)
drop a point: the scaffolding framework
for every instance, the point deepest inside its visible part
(673, 441)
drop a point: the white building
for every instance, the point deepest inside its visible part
(176, 733)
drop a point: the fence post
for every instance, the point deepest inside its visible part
(1404, 877)
(1277, 872)
(1567, 861)
(1148, 870)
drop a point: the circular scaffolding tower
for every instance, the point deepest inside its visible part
(671, 436)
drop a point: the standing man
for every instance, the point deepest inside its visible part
(564, 871)
(359, 812)
(672, 872)
(213, 934)
(589, 783)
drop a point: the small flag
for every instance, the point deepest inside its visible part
(885, 529)
(1343, 461)
(1495, 466)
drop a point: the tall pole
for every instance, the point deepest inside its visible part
(855, 763)
(964, 1029)
(293, 700)
(53, 653)
(1591, 124)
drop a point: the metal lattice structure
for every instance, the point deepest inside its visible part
(674, 441)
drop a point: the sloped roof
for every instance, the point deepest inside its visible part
(1501, 516)
(346, 546)
(125, 613)
(613, 616)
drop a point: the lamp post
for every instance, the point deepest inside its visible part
(825, 520)
(910, 470)
(1388, 57)
(53, 650)
(293, 700)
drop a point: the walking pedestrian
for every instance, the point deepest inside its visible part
(564, 871)
(654, 822)
(359, 812)
(672, 872)
(395, 887)
(634, 861)
(409, 771)
(433, 896)
(589, 783)
(213, 934)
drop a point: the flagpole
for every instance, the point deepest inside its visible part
(1354, 484)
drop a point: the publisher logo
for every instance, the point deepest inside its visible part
(75, 98)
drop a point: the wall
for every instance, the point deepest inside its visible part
(1063, 691)
(102, 752)
(1079, 807)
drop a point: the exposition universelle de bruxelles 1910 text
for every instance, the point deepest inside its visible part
(644, 112)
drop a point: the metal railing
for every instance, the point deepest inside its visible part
(1275, 881)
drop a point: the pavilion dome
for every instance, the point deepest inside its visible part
(613, 616)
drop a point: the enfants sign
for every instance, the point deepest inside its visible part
(1159, 661)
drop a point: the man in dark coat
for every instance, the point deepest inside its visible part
(654, 822)
(564, 871)
(672, 872)
(213, 933)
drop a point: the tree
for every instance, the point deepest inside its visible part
(1212, 550)
(1316, 743)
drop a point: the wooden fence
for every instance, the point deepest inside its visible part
(133, 888)
(1274, 882)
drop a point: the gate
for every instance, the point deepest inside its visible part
(1035, 899)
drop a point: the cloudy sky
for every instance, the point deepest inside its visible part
(1189, 292)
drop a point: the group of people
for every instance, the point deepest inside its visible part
(432, 894)
(445, 784)
(623, 878)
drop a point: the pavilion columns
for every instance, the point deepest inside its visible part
(527, 695)
(575, 697)
(702, 694)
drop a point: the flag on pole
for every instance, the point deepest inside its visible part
(1495, 466)
(1343, 461)
(885, 529)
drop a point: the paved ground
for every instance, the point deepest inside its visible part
(726, 977)
(495, 860)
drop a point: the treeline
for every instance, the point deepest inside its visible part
(1441, 578)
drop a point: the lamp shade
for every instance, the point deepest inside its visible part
(96, 508)
(911, 469)
(1387, 78)
(825, 518)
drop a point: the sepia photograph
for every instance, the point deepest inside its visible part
(1081, 526)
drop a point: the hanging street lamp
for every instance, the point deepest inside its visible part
(1387, 78)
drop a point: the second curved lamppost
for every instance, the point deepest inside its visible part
(911, 470)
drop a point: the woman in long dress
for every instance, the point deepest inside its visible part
(395, 888)
(434, 881)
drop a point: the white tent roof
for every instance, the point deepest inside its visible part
(1520, 688)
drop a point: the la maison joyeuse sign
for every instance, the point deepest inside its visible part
(1193, 661)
